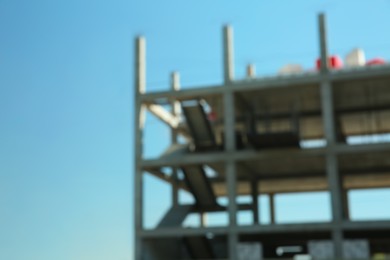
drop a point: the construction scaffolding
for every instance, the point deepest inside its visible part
(249, 133)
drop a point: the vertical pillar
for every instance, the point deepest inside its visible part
(229, 140)
(346, 204)
(272, 207)
(175, 86)
(228, 54)
(323, 42)
(140, 83)
(334, 181)
(230, 166)
(203, 219)
(255, 200)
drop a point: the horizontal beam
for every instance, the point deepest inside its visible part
(366, 225)
(239, 85)
(243, 155)
(188, 159)
(180, 232)
(267, 82)
(165, 97)
(309, 113)
(276, 186)
(361, 148)
(309, 184)
(277, 82)
(249, 154)
(266, 229)
(195, 209)
(285, 228)
(257, 229)
(365, 72)
(252, 174)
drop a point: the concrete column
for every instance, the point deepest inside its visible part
(140, 83)
(255, 200)
(230, 168)
(334, 180)
(336, 201)
(346, 204)
(232, 209)
(334, 187)
(232, 245)
(228, 54)
(230, 146)
(323, 42)
(272, 208)
(229, 118)
(175, 86)
(203, 219)
(231, 187)
(338, 238)
(328, 112)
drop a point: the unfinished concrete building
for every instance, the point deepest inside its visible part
(249, 133)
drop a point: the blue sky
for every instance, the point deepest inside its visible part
(66, 101)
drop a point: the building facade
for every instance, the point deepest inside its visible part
(249, 134)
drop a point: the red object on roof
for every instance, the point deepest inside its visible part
(334, 61)
(375, 61)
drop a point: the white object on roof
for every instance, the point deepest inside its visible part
(251, 71)
(290, 69)
(355, 58)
